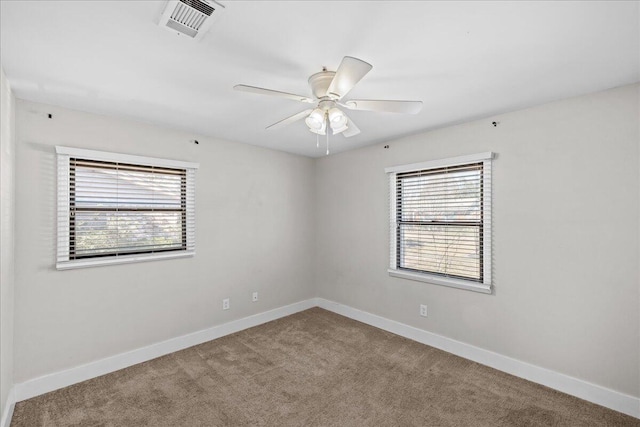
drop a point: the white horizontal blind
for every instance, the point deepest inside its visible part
(191, 210)
(110, 209)
(63, 208)
(440, 221)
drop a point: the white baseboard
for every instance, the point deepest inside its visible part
(591, 392)
(9, 405)
(57, 380)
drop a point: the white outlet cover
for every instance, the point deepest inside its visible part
(254, 297)
(423, 310)
(226, 304)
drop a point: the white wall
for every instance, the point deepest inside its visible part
(7, 194)
(254, 215)
(566, 233)
(566, 216)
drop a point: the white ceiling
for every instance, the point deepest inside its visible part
(465, 60)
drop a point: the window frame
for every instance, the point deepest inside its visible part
(64, 259)
(484, 284)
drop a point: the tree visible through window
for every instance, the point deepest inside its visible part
(118, 208)
(440, 221)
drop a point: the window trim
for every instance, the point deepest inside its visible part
(394, 271)
(63, 207)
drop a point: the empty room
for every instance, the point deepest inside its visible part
(319, 213)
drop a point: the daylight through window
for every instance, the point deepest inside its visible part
(118, 209)
(123, 210)
(440, 225)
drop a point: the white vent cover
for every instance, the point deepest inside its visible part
(192, 18)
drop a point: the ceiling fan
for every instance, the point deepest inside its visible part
(329, 88)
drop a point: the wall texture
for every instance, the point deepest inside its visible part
(254, 230)
(566, 217)
(7, 222)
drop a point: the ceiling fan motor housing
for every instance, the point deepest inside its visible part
(319, 83)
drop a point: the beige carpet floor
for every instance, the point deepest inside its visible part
(314, 368)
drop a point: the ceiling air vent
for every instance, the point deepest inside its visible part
(192, 18)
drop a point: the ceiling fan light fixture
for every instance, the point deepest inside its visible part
(316, 121)
(319, 131)
(337, 119)
(336, 130)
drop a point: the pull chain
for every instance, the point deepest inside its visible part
(317, 140)
(326, 120)
(327, 142)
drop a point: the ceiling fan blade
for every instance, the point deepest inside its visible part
(350, 72)
(290, 119)
(407, 107)
(279, 94)
(352, 129)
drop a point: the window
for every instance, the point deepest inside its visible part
(441, 222)
(115, 208)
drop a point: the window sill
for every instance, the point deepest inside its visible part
(443, 281)
(124, 259)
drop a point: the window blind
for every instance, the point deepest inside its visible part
(440, 220)
(110, 209)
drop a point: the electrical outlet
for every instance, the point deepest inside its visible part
(423, 310)
(254, 297)
(226, 304)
